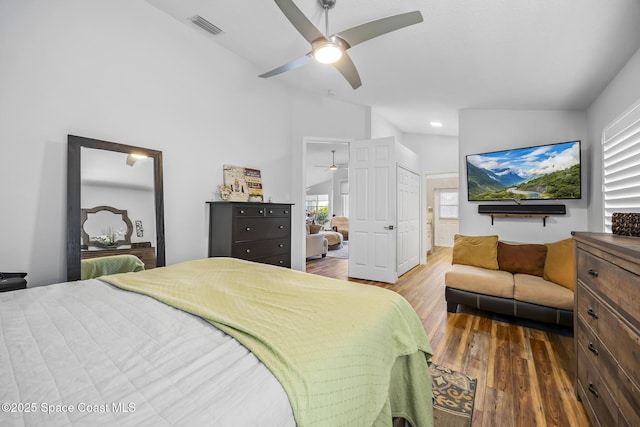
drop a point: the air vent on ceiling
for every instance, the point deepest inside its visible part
(206, 25)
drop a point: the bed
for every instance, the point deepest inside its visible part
(218, 341)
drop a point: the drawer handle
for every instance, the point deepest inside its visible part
(248, 228)
(281, 227)
(281, 245)
(241, 211)
(286, 211)
(593, 349)
(270, 211)
(593, 272)
(593, 390)
(281, 261)
(260, 211)
(248, 250)
(592, 313)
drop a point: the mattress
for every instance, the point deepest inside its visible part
(87, 353)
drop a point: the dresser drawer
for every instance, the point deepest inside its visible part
(595, 392)
(594, 313)
(263, 228)
(628, 351)
(282, 260)
(277, 210)
(628, 400)
(619, 286)
(260, 248)
(598, 355)
(248, 211)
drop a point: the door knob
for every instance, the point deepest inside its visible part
(389, 227)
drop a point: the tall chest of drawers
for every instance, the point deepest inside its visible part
(607, 327)
(259, 232)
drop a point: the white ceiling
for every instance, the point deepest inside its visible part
(494, 54)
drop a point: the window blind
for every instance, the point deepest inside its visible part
(621, 164)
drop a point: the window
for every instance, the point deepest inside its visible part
(317, 207)
(620, 160)
(448, 204)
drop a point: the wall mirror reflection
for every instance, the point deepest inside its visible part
(115, 203)
(105, 227)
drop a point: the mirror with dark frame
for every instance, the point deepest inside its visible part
(107, 183)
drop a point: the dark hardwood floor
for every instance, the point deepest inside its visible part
(525, 374)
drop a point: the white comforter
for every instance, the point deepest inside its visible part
(87, 353)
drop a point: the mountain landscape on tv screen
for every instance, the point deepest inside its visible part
(543, 172)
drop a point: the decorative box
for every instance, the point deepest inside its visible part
(625, 224)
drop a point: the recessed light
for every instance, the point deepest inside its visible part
(436, 124)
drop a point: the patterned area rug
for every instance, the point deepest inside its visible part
(454, 393)
(343, 252)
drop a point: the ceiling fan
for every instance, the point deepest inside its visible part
(333, 165)
(333, 49)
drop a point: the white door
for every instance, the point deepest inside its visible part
(372, 220)
(445, 216)
(408, 212)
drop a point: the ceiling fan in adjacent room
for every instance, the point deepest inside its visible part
(333, 49)
(333, 166)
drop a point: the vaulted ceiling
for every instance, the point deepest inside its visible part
(493, 54)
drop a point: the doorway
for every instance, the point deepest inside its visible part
(442, 208)
(326, 183)
(446, 223)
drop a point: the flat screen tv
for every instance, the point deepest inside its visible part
(543, 172)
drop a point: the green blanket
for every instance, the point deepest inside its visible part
(102, 266)
(345, 353)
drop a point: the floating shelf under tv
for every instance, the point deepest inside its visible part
(522, 211)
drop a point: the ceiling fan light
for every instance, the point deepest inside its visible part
(327, 53)
(333, 167)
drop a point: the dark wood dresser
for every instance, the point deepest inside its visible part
(607, 327)
(147, 254)
(259, 232)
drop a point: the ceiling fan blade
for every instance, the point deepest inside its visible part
(348, 69)
(296, 63)
(301, 22)
(364, 32)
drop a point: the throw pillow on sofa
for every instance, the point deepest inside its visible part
(559, 264)
(522, 258)
(314, 228)
(477, 251)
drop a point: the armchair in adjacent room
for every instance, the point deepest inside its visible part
(317, 244)
(341, 225)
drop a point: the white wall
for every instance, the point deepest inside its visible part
(621, 92)
(381, 127)
(493, 130)
(438, 153)
(126, 72)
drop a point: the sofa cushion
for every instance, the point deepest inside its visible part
(559, 264)
(477, 251)
(480, 280)
(536, 290)
(522, 258)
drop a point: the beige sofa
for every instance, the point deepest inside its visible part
(520, 283)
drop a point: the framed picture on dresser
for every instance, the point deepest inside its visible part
(245, 184)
